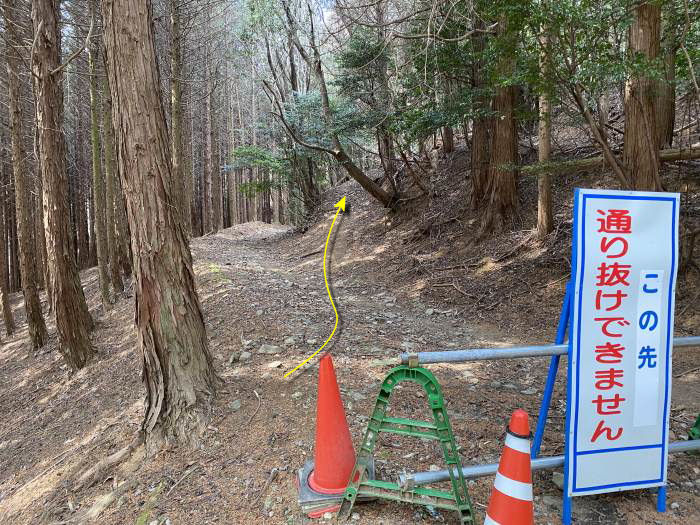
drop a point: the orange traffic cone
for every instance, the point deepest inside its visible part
(334, 456)
(511, 498)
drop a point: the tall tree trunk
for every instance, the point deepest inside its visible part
(641, 149)
(383, 95)
(38, 215)
(209, 141)
(35, 318)
(121, 224)
(233, 195)
(217, 216)
(177, 366)
(208, 161)
(187, 170)
(254, 195)
(446, 132)
(603, 109)
(91, 218)
(123, 235)
(98, 181)
(385, 147)
(501, 187)
(448, 139)
(544, 147)
(73, 319)
(666, 102)
(280, 204)
(176, 144)
(13, 241)
(7, 314)
(7, 203)
(196, 176)
(231, 175)
(666, 91)
(40, 230)
(112, 198)
(481, 123)
(82, 245)
(267, 177)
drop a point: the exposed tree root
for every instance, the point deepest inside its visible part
(99, 506)
(270, 479)
(96, 472)
(103, 502)
(257, 409)
(187, 473)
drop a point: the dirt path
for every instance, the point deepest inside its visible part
(266, 309)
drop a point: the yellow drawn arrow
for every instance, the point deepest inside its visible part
(341, 206)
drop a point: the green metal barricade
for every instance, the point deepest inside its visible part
(439, 429)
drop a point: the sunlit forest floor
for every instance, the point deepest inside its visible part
(411, 281)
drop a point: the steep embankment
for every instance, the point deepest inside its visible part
(510, 281)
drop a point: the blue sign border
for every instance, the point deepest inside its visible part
(669, 331)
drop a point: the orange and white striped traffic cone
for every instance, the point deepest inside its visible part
(511, 498)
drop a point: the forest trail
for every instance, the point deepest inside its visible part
(266, 309)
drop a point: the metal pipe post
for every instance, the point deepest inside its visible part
(552, 373)
(483, 354)
(416, 479)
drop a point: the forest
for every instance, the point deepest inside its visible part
(142, 142)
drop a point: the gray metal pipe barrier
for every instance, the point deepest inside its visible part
(482, 354)
(408, 481)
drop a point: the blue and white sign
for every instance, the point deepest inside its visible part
(625, 260)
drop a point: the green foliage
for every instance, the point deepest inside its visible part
(257, 157)
(361, 62)
(418, 122)
(275, 168)
(259, 17)
(417, 75)
(252, 188)
(688, 28)
(305, 115)
(587, 47)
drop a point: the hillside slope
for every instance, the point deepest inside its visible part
(416, 281)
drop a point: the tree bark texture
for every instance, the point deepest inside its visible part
(15, 275)
(177, 367)
(544, 147)
(179, 173)
(38, 230)
(448, 139)
(73, 319)
(81, 198)
(123, 236)
(216, 193)
(10, 233)
(208, 162)
(7, 314)
(666, 91)
(501, 188)
(98, 181)
(641, 149)
(666, 102)
(481, 123)
(23, 198)
(41, 232)
(111, 186)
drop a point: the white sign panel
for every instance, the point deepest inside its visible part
(625, 258)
